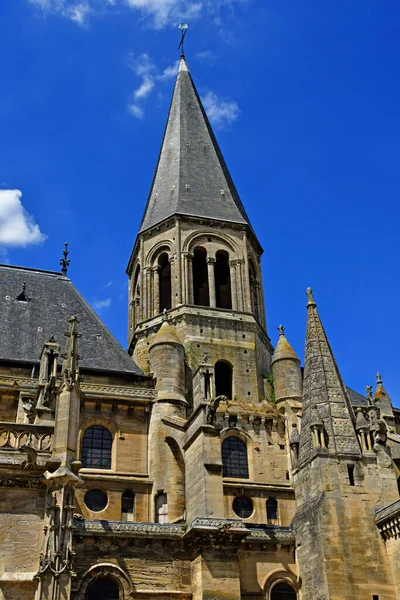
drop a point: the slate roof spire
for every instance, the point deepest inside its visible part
(191, 176)
(325, 395)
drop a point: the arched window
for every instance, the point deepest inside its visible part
(102, 589)
(234, 458)
(272, 510)
(283, 591)
(200, 278)
(161, 508)
(254, 291)
(222, 280)
(96, 448)
(164, 273)
(127, 506)
(223, 379)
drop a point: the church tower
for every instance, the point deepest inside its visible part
(196, 263)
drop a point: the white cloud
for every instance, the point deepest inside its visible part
(147, 71)
(145, 88)
(169, 72)
(220, 112)
(74, 10)
(159, 13)
(100, 304)
(136, 111)
(207, 56)
(17, 227)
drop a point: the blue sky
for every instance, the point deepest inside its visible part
(304, 98)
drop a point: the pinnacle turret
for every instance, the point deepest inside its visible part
(325, 397)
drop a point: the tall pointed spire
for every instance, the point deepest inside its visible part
(324, 393)
(191, 177)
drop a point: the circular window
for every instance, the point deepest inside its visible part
(96, 500)
(243, 507)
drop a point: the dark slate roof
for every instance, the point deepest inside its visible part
(191, 171)
(356, 399)
(26, 326)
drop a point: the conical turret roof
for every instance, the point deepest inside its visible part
(191, 177)
(283, 349)
(324, 391)
(166, 335)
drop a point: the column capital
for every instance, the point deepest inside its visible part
(210, 260)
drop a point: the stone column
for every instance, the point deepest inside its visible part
(190, 278)
(156, 288)
(211, 281)
(234, 295)
(239, 281)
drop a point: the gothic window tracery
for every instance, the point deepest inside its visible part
(234, 458)
(96, 448)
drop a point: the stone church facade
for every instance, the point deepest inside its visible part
(202, 464)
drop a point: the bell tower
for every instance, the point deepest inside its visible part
(196, 263)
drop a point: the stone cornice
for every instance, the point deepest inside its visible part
(120, 392)
(199, 528)
(123, 529)
(89, 390)
(388, 520)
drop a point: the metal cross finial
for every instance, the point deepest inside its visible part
(281, 330)
(183, 27)
(64, 262)
(378, 378)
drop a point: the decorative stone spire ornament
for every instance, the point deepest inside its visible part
(65, 261)
(323, 387)
(311, 301)
(71, 357)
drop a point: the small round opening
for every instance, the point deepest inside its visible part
(243, 507)
(96, 500)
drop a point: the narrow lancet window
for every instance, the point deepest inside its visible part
(164, 273)
(200, 278)
(272, 511)
(161, 508)
(223, 379)
(222, 280)
(127, 506)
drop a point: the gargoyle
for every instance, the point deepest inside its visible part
(213, 407)
(31, 456)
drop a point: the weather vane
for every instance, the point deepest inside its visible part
(183, 27)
